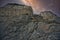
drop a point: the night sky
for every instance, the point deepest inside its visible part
(37, 5)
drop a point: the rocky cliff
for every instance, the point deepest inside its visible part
(17, 22)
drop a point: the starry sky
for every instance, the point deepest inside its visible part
(37, 5)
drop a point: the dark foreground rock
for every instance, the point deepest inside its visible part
(17, 22)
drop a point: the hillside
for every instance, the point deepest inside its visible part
(17, 22)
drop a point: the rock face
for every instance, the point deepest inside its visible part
(14, 9)
(48, 15)
(17, 22)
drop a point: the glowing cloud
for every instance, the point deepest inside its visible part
(35, 4)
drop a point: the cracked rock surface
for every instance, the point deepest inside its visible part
(27, 26)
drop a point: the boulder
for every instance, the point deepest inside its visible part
(48, 15)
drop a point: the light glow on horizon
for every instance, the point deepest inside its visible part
(35, 4)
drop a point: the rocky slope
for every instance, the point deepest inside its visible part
(17, 22)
